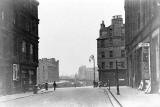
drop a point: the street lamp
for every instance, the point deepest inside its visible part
(117, 78)
(91, 58)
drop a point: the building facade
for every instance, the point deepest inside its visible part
(18, 45)
(111, 48)
(142, 42)
(86, 73)
(48, 70)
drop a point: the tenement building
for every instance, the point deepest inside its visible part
(142, 33)
(18, 45)
(48, 71)
(111, 49)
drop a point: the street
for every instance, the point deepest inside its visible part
(64, 97)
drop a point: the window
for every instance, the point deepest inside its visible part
(2, 15)
(122, 53)
(110, 53)
(31, 49)
(122, 38)
(1, 47)
(14, 21)
(110, 41)
(102, 43)
(23, 46)
(103, 54)
(34, 27)
(122, 64)
(15, 43)
(27, 26)
(103, 65)
(145, 57)
(110, 64)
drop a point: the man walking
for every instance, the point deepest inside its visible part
(46, 86)
(54, 85)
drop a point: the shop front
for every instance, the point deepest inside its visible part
(155, 73)
(28, 79)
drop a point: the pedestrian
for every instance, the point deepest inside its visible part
(46, 86)
(54, 85)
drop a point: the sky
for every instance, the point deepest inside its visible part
(68, 30)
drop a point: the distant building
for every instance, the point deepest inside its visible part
(90, 74)
(18, 45)
(82, 72)
(111, 48)
(85, 73)
(48, 70)
(142, 30)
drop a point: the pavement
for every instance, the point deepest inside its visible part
(131, 97)
(64, 97)
(27, 94)
(22, 95)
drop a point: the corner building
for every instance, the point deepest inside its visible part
(48, 70)
(111, 48)
(142, 31)
(18, 45)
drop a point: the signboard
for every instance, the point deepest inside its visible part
(142, 45)
(15, 72)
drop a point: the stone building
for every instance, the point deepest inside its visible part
(86, 73)
(142, 42)
(18, 45)
(111, 48)
(48, 70)
(90, 74)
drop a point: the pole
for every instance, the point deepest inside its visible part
(94, 72)
(117, 78)
(75, 81)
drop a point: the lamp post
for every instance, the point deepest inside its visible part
(91, 58)
(117, 78)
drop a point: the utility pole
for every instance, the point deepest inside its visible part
(94, 72)
(117, 78)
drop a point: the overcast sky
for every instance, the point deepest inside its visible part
(68, 29)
